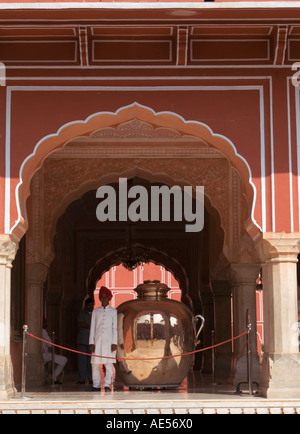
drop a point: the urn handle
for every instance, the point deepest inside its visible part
(196, 318)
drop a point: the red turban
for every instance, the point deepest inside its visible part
(106, 291)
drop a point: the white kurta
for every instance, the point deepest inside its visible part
(103, 333)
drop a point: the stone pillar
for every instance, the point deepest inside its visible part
(222, 328)
(281, 361)
(244, 277)
(8, 250)
(36, 276)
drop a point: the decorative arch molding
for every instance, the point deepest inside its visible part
(107, 120)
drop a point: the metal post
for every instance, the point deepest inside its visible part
(213, 356)
(249, 359)
(24, 355)
(53, 358)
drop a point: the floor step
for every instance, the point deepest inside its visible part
(40, 405)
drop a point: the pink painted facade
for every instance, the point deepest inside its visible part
(190, 93)
(257, 113)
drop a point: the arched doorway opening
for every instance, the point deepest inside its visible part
(85, 249)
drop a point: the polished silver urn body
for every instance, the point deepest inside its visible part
(150, 330)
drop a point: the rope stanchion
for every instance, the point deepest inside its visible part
(213, 357)
(250, 381)
(24, 356)
(53, 359)
(24, 353)
(138, 358)
(26, 333)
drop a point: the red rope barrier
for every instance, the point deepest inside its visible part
(129, 358)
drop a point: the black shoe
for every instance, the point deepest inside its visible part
(94, 389)
(80, 382)
(57, 382)
(107, 389)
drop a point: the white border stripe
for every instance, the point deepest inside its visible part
(155, 5)
(290, 153)
(7, 162)
(262, 162)
(297, 106)
(272, 157)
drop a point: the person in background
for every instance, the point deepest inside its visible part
(84, 323)
(103, 340)
(60, 361)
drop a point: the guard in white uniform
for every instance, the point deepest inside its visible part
(103, 340)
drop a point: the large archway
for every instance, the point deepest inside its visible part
(134, 142)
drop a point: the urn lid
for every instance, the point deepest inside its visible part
(153, 289)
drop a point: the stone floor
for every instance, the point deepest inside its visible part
(195, 396)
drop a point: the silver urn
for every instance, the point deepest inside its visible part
(154, 334)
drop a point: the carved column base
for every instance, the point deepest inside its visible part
(280, 376)
(7, 389)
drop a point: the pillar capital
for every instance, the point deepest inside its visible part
(281, 247)
(36, 274)
(8, 249)
(244, 273)
(221, 288)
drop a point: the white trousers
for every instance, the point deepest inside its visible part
(97, 375)
(60, 362)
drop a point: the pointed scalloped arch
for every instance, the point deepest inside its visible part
(155, 256)
(167, 119)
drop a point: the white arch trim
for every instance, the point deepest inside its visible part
(114, 114)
